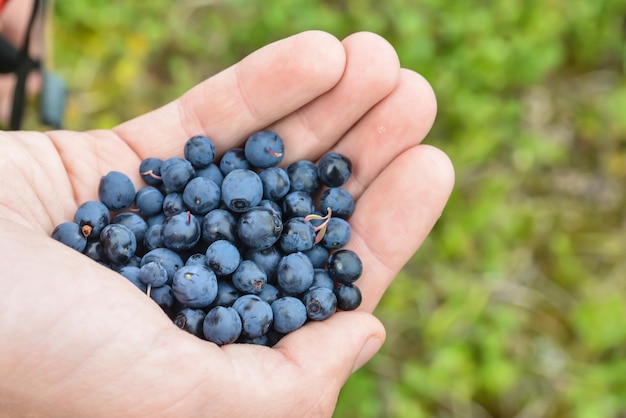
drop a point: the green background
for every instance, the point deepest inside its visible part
(514, 307)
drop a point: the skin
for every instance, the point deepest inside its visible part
(80, 341)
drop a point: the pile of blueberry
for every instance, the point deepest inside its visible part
(235, 250)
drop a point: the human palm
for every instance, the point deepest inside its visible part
(79, 341)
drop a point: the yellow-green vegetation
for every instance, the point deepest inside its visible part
(516, 304)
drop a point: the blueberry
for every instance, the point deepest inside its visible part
(132, 221)
(318, 256)
(269, 293)
(219, 224)
(118, 243)
(256, 315)
(176, 173)
(259, 228)
(195, 286)
(222, 257)
(150, 171)
(153, 274)
(249, 278)
(339, 200)
(70, 234)
(191, 320)
(149, 200)
(303, 176)
(153, 238)
(267, 259)
(289, 314)
(197, 258)
(345, 266)
(337, 234)
(264, 149)
(320, 303)
(116, 191)
(233, 159)
(164, 297)
(93, 250)
(297, 235)
(173, 204)
(271, 205)
(222, 325)
(275, 183)
(295, 273)
(92, 216)
(211, 172)
(181, 231)
(155, 219)
(348, 297)
(321, 278)
(199, 150)
(227, 294)
(334, 169)
(201, 195)
(297, 204)
(170, 259)
(241, 190)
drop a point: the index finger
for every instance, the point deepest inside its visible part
(267, 85)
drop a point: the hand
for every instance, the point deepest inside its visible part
(80, 341)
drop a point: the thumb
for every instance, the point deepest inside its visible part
(331, 350)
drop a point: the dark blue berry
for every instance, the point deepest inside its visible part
(211, 172)
(164, 297)
(267, 259)
(118, 243)
(318, 256)
(219, 224)
(233, 159)
(289, 314)
(320, 303)
(149, 200)
(222, 325)
(222, 257)
(176, 173)
(339, 200)
(348, 297)
(116, 191)
(199, 150)
(276, 183)
(269, 293)
(150, 171)
(297, 235)
(70, 234)
(227, 294)
(344, 266)
(131, 273)
(153, 237)
(197, 258)
(321, 278)
(334, 169)
(303, 176)
(241, 190)
(337, 234)
(181, 231)
(195, 286)
(170, 259)
(201, 195)
(294, 273)
(92, 216)
(153, 274)
(259, 228)
(256, 315)
(297, 204)
(191, 320)
(173, 204)
(264, 149)
(134, 222)
(249, 278)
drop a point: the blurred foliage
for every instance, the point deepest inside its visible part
(514, 306)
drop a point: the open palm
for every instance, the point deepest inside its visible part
(80, 341)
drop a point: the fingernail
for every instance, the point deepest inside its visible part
(369, 349)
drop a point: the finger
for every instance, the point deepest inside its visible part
(262, 88)
(399, 122)
(371, 73)
(396, 213)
